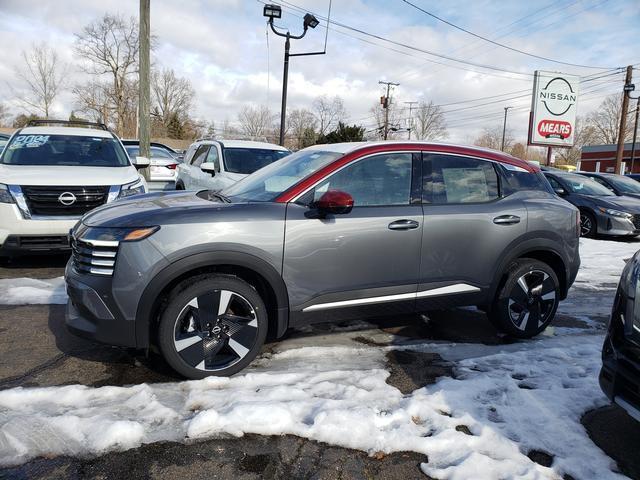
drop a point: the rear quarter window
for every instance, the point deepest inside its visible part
(517, 181)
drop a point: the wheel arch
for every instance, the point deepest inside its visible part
(543, 252)
(255, 271)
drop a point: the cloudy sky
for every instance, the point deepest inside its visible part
(223, 48)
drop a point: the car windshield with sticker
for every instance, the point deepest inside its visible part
(64, 150)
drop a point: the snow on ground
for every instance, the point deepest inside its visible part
(27, 291)
(513, 398)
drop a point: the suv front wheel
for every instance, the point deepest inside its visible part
(212, 325)
(528, 300)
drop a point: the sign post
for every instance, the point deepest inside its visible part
(552, 122)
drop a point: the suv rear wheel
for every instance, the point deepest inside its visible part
(528, 300)
(212, 325)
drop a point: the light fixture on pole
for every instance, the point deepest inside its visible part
(309, 21)
(504, 126)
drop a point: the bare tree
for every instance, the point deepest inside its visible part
(109, 47)
(584, 134)
(329, 111)
(172, 95)
(605, 121)
(256, 122)
(42, 76)
(4, 115)
(93, 98)
(429, 122)
(492, 138)
(302, 127)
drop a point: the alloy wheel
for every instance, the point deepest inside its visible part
(532, 300)
(586, 225)
(215, 330)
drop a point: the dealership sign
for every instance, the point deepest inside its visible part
(553, 109)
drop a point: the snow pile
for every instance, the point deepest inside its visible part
(511, 402)
(603, 261)
(27, 291)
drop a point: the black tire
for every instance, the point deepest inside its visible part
(527, 302)
(198, 341)
(179, 186)
(588, 225)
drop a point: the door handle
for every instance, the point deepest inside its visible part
(403, 225)
(506, 220)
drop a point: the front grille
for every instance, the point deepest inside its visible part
(636, 222)
(94, 256)
(45, 200)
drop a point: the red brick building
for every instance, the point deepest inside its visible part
(602, 158)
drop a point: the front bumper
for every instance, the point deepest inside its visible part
(95, 316)
(616, 226)
(19, 235)
(620, 373)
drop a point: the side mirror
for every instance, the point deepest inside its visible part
(560, 191)
(334, 202)
(141, 162)
(208, 167)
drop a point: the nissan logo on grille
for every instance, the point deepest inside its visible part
(67, 198)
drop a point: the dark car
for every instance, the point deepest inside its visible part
(618, 184)
(602, 212)
(620, 374)
(329, 233)
(633, 176)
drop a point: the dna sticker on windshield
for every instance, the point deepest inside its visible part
(28, 141)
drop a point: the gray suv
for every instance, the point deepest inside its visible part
(330, 233)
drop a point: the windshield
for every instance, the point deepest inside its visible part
(266, 184)
(248, 160)
(64, 150)
(585, 186)
(624, 184)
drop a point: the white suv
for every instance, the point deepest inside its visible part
(216, 164)
(53, 172)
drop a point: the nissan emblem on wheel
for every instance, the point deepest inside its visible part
(553, 109)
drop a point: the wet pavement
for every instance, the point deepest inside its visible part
(36, 350)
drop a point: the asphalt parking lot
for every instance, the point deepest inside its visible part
(37, 351)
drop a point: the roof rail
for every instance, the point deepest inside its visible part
(67, 123)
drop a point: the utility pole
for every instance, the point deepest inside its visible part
(411, 104)
(504, 126)
(635, 135)
(386, 101)
(623, 121)
(144, 119)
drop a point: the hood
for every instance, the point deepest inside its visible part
(624, 203)
(151, 209)
(66, 175)
(236, 176)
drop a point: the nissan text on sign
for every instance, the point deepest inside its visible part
(553, 109)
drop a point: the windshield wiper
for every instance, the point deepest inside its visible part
(220, 196)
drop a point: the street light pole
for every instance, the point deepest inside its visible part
(275, 11)
(504, 126)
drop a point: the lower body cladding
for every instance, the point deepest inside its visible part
(20, 236)
(617, 226)
(620, 374)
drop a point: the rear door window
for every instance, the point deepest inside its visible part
(450, 179)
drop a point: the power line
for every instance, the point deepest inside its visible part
(547, 59)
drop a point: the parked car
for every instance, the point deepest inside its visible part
(214, 164)
(634, 176)
(602, 212)
(162, 172)
(133, 142)
(618, 184)
(4, 138)
(620, 373)
(329, 233)
(51, 174)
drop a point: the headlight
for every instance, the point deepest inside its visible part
(5, 195)
(133, 188)
(616, 213)
(117, 234)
